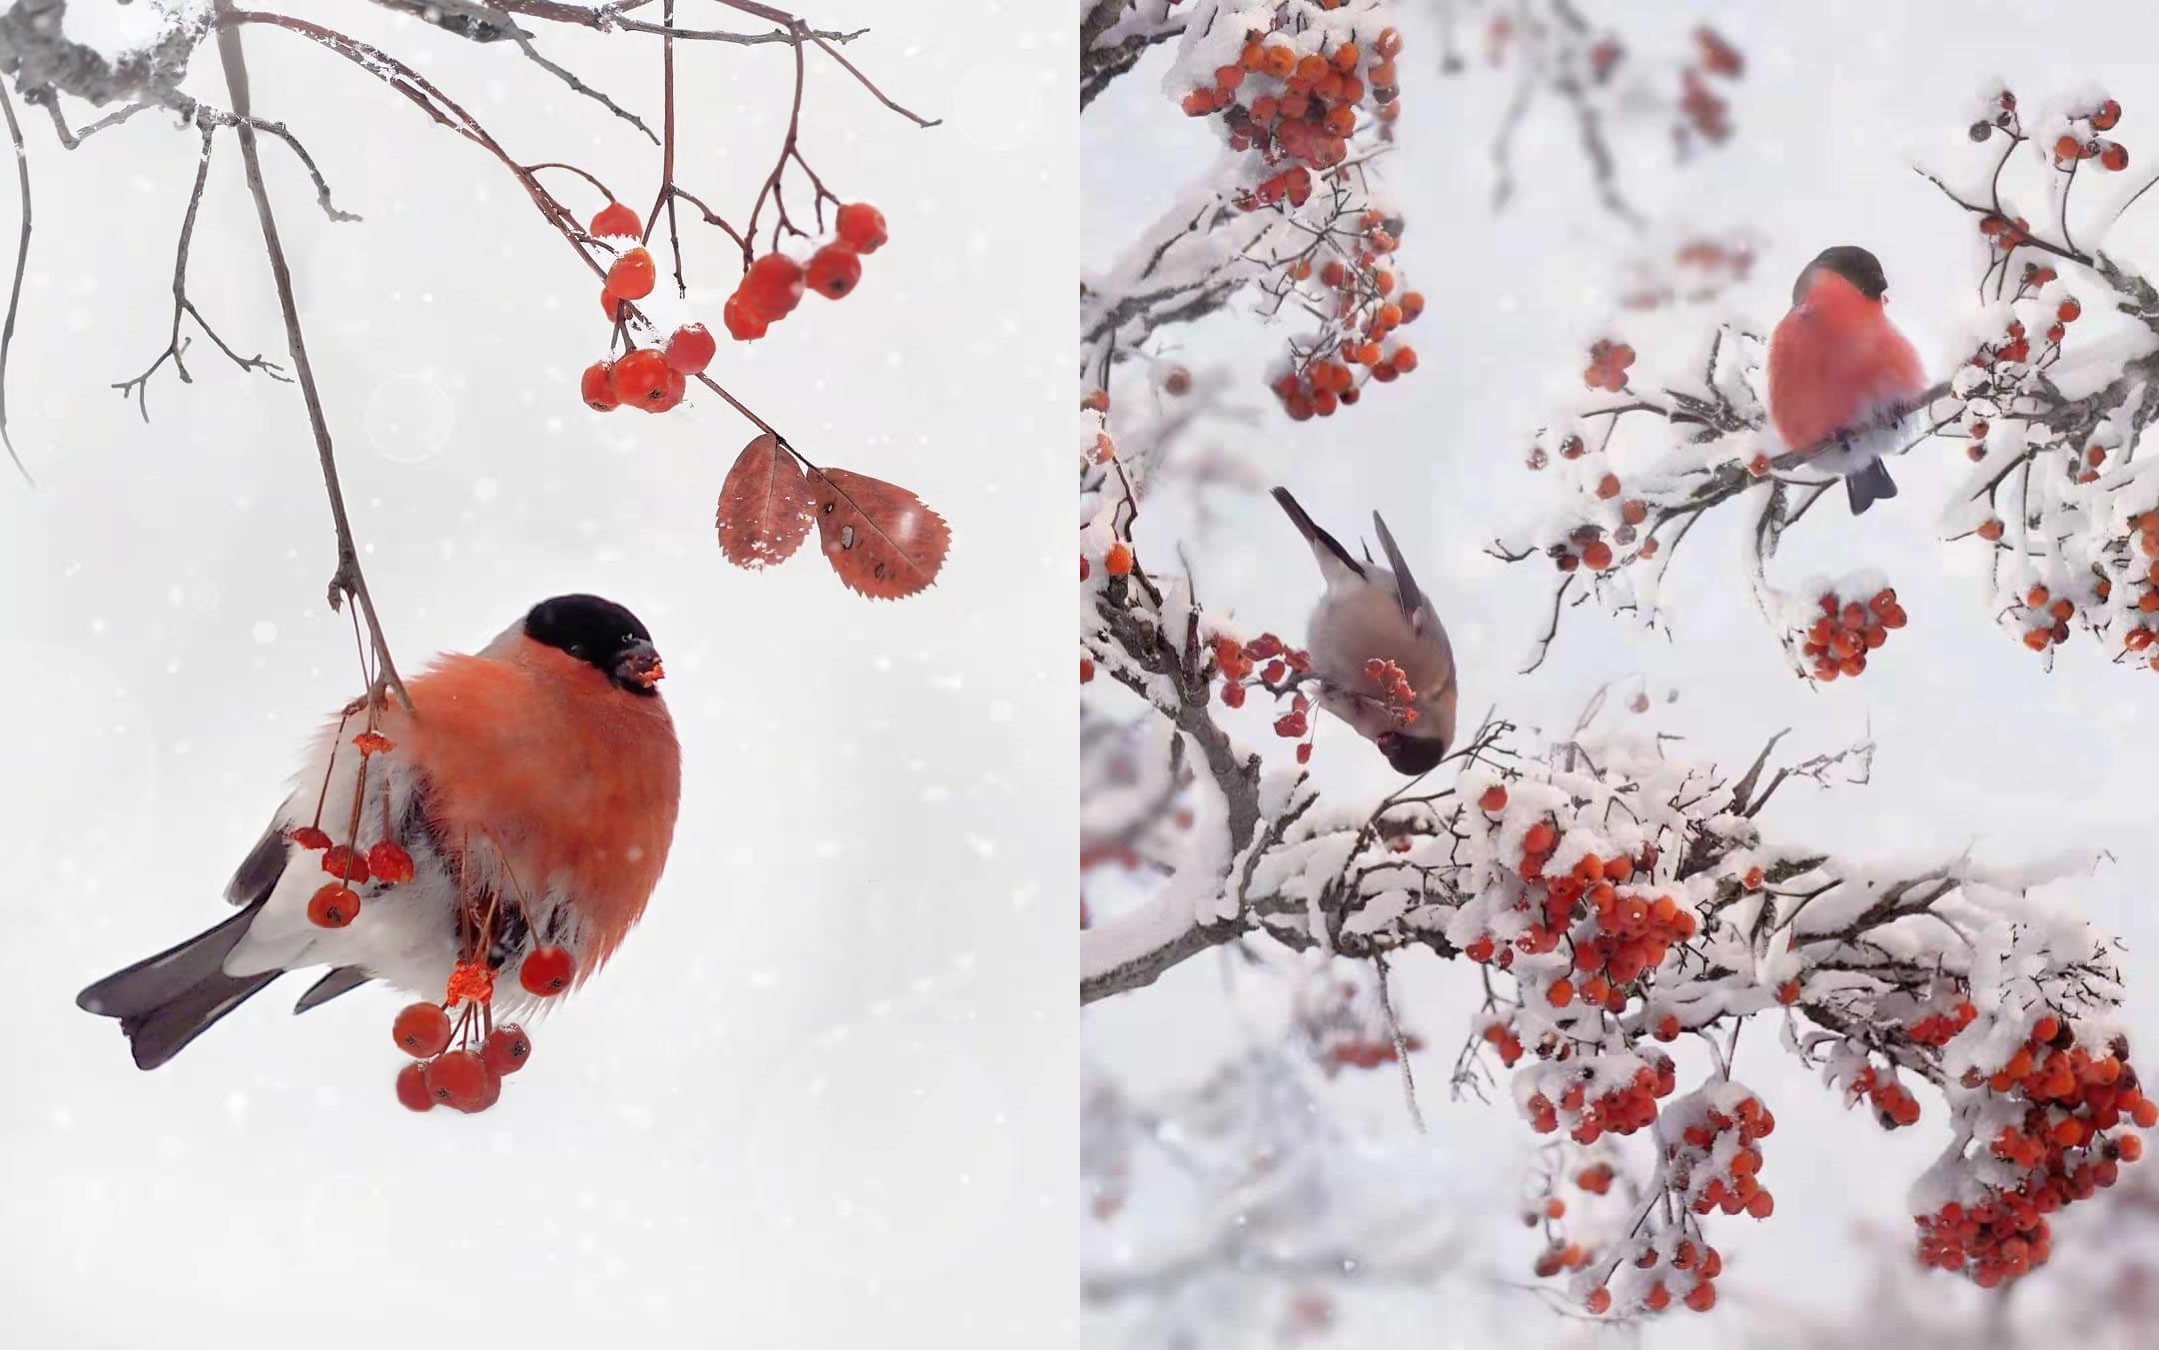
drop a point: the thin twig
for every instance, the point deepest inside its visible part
(22, 259)
(348, 582)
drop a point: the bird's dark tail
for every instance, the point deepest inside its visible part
(1312, 533)
(1868, 486)
(165, 1001)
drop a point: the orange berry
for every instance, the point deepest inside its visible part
(333, 906)
(860, 226)
(1608, 486)
(615, 219)
(1118, 561)
(1560, 992)
(1990, 530)
(640, 377)
(1405, 359)
(1597, 555)
(631, 275)
(1600, 1300)
(2069, 310)
(1494, 798)
(833, 271)
(2115, 157)
(597, 386)
(772, 287)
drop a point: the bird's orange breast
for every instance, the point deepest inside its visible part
(576, 781)
(1831, 366)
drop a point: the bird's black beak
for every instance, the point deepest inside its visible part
(638, 667)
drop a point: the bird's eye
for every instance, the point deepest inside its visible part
(577, 649)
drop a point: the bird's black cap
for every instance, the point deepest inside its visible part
(1851, 262)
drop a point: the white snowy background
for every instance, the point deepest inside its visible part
(1978, 745)
(824, 1095)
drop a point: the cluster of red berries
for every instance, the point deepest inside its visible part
(2113, 156)
(1394, 689)
(2074, 1097)
(1701, 1264)
(1706, 267)
(2142, 634)
(2048, 617)
(1838, 642)
(1302, 106)
(385, 863)
(1734, 1186)
(1588, 545)
(1237, 662)
(1628, 934)
(1707, 112)
(1368, 1053)
(469, 1077)
(1622, 1110)
(1608, 362)
(1894, 1106)
(1936, 1028)
(772, 285)
(1369, 309)
(651, 378)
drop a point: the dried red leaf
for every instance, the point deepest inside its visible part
(879, 537)
(765, 506)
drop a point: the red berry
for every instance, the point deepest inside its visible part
(617, 220)
(1494, 799)
(610, 304)
(744, 324)
(861, 227)
(631, 275)
(308, 836)
(546, 970)
(341, 862)
(506, 1049)
(389, 863)
(490, 1090)
(834, 271)
(422, 1030)
(641, 377)
(333, 906)
(2069, 310)
(690, 348)
(670, 393)
(773, 286)
(2115, 157)
(2109, 113)
(596, 387)
(458, 1079)
(412, 1090)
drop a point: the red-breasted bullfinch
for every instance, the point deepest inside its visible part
(1839, 369)
(1372, 613)
(538, 780)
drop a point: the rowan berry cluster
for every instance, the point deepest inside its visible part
(1608, 362)
(385, 863)
(773, 284)
(1297, 95)
(1366, 306)
(1592, 543)
(1716, 1164)
(1698, 270)
(1856, 618)
(2065, 1113)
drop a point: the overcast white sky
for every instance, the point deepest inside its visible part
(1978, 746)
(824, 1095)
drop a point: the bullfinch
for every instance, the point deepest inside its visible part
(1371, 613)
(536, 782)
(1839, 369)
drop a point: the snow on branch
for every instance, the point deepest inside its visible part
(2048, 414)
(1617, 897)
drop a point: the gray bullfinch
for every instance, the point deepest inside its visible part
(1372, 614)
